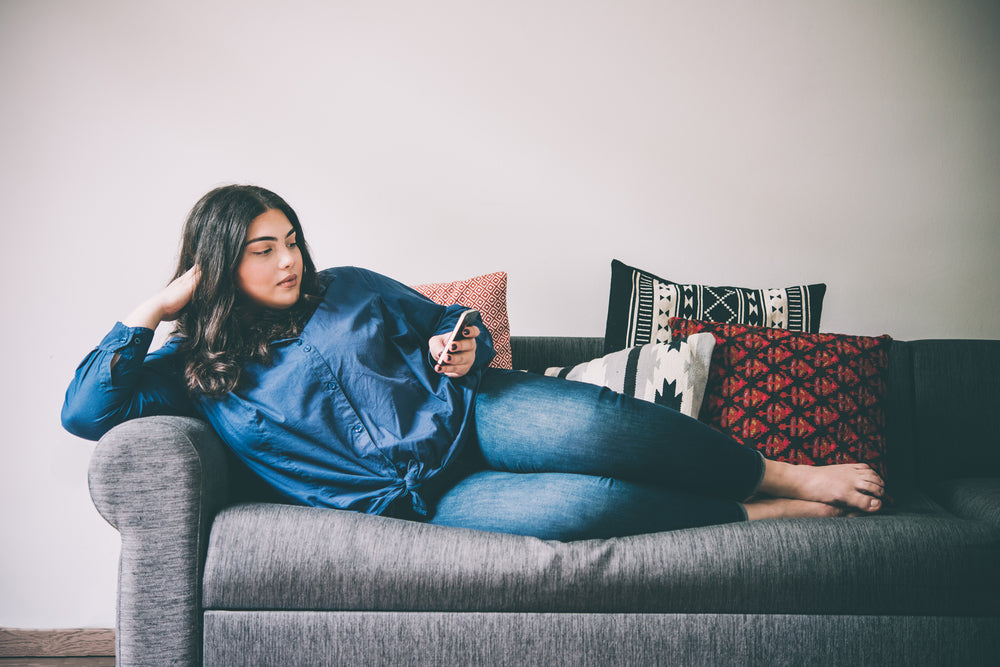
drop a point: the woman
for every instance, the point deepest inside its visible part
(327, 386)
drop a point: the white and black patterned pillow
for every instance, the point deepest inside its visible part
(641, 305)
(673, 374)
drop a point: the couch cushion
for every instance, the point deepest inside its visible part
(308, 639)
(641, 304)
(971, 498)
(264, 556)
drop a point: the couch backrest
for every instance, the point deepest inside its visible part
(956, 408)
(941, 414)
(536, 353)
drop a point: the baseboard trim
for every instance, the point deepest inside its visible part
(78, 643)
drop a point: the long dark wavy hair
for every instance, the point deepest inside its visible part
(221, 328)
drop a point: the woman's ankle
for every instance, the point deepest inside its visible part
(778, 480)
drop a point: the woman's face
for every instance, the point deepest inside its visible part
(270, 272)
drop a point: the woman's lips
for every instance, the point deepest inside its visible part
(290, 281)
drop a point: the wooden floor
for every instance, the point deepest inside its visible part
(92, 661)
(61, 648)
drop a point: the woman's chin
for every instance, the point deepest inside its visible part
(283, 305)
(284, 302)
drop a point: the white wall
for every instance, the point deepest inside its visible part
(755, 143)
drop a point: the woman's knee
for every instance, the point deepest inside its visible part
(554, 506)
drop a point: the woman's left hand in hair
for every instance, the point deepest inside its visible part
(460, 357)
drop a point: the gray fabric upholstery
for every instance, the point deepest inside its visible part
(282, 585)
(536, 353)
(899, 460)
(290, 639)
(976, 499)
(159, 481)
(956, 401)
(270, 557)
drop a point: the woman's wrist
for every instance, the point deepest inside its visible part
(148, 314)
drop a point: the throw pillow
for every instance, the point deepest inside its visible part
(488, 295)
(671, 374)
(641, 305)
(808, 398)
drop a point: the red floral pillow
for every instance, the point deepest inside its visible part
(488, 295)
(808, 398)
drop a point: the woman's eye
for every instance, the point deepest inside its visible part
(266, 251)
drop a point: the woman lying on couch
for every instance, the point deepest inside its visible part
(331, 387)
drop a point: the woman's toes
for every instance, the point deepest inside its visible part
(864, 502)
(871, 488)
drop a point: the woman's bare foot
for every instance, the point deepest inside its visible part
(854, 486)
(788, 508)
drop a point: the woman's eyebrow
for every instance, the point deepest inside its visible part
(267, 238)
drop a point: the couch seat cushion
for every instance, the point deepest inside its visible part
(917, 560)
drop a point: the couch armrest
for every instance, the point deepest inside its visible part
(977, 499)
(160, 481)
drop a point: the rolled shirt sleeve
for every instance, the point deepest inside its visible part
(119, 381)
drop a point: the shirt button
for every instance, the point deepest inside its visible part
(332, 386)
(358, 428)
(307, 348)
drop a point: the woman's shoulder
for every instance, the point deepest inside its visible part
(335, 272)
(353, 275)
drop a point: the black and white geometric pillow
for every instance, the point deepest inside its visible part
(641, 304)
(672, 374)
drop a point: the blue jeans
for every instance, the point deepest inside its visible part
(565, 460)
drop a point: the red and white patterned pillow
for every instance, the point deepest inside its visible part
(807, 398)
(488, 295)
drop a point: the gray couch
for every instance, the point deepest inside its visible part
(213, 570)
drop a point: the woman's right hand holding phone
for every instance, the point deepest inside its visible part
(455, 358)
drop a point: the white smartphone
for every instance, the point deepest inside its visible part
(467, 319)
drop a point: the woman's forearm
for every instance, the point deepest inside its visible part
(148, 314)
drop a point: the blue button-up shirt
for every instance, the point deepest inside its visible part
(350, 414)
